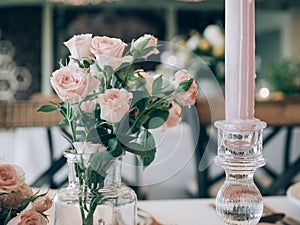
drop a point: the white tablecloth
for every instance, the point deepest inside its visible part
(199, 211)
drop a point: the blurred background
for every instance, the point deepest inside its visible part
(32, 33)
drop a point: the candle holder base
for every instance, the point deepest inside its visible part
(239, 201)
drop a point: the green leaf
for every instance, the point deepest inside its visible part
(123, 138)
(149, 49)
(114, 147)
(99, 135)
(143, 146)
(141, 45)
(94, 179)
(146, 160)
(108, 71)
(63, 122)
(138, 149)
(86, 63)
(100, 162)
(147, 140)
(8, 217)
(47, 108)
(185, 85)
(157, 85)
(139, 123)
(156, 119)
(140, 99)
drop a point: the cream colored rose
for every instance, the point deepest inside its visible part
(80, 46)
(11, 177)
(114, 103)
(72, 84)
(187, 98)
(174, 117)
(28, 217)
(88, 147)
(152, 43)
(42, 204)
(109, 52)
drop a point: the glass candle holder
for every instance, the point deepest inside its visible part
(240, 153)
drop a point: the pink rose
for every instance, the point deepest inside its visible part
(25, 190)
(114, 103)
(115, 63)
(41, 204)
(88, 106)
(88, 147)
(151, 43)
(11, 177)
(28, 217)
(14, 199)
(187, 98)
(79, 46)
(109, 52)
(149, 80)
(174, 117)
(72, 84)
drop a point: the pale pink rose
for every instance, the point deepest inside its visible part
(14, 199)
(28, 217)
(187, 98)
(152, 43)
(114, 62)
(80, 46)
(43, 203)
(174, 117)
(72, 84)
(109, 52)
(88, 147)
(25, 190)
(11, 177)
(149, 80)
(11, 200)
(88, 106)
(114, 103)
(108, 46)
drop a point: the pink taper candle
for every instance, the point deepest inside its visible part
(239, 59)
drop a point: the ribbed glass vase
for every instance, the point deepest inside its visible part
(94, 195)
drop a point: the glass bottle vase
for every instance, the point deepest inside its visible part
(105, 202)
(239, 201)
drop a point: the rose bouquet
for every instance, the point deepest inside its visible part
(18, 204)
(110, 106)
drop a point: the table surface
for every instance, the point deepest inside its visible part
(191, 211)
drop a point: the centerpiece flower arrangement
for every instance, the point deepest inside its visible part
(110, 106)
(18, 204)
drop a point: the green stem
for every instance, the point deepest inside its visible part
(148, 110)
(80, 195)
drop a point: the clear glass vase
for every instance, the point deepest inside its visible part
(239, 201)
(105, 202)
